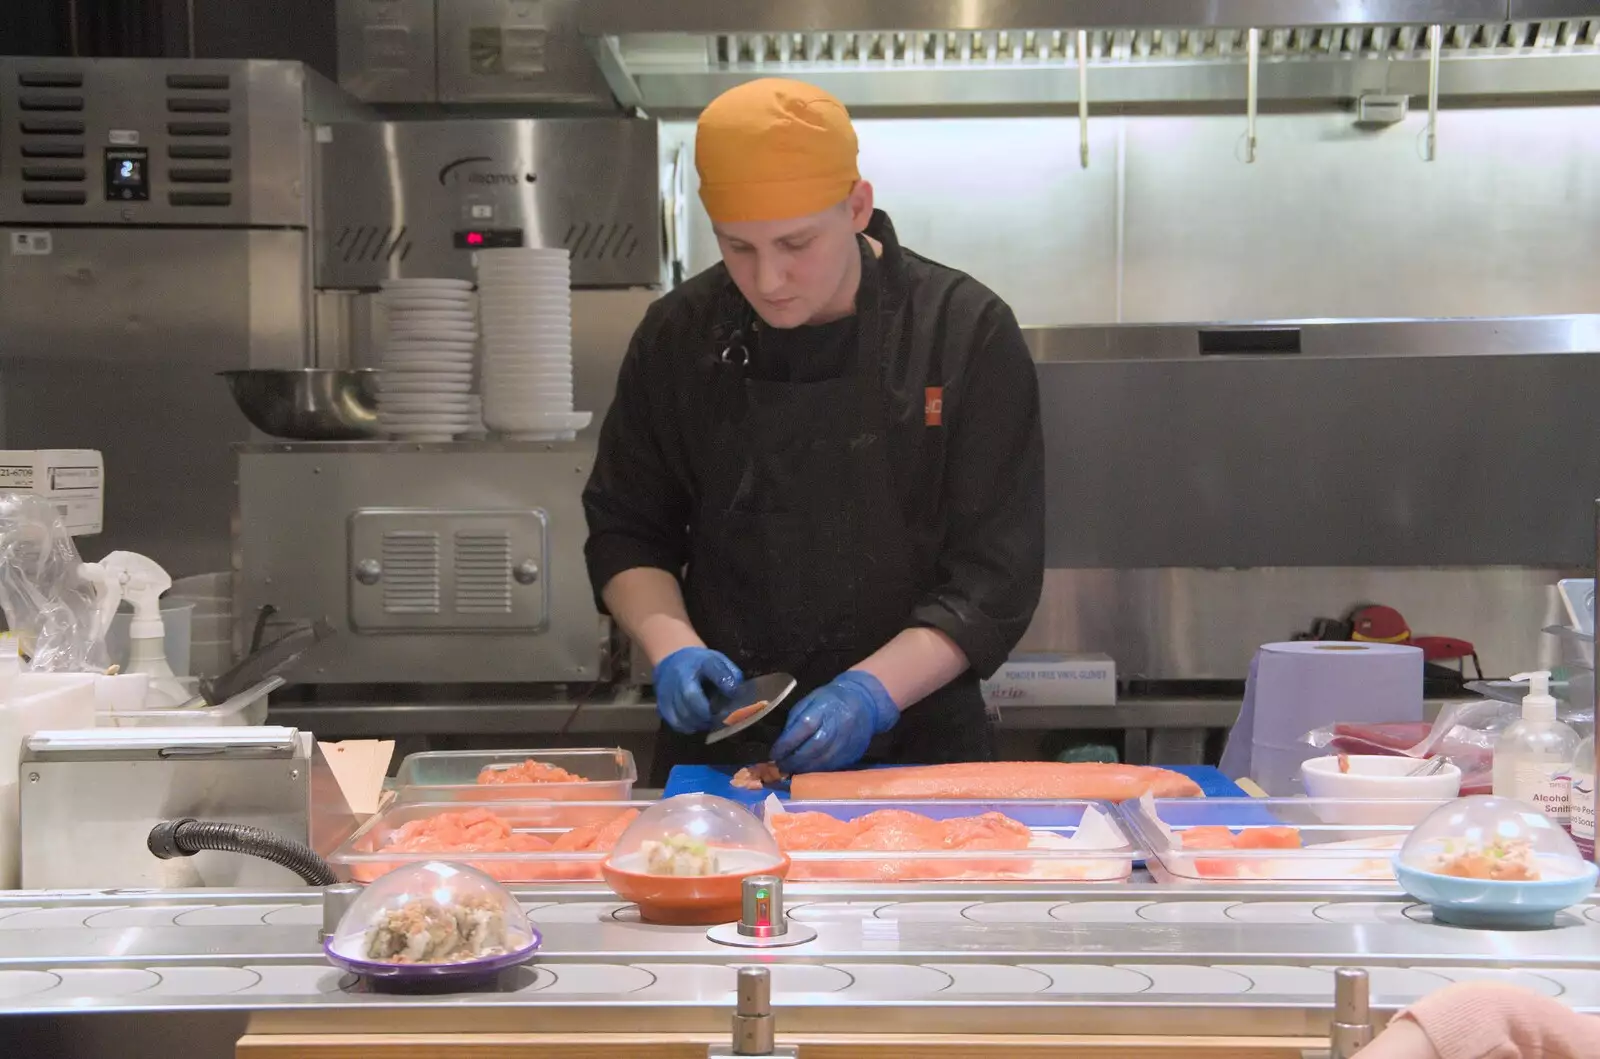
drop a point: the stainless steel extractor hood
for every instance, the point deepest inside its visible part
(676, 55)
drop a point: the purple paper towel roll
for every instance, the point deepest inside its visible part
(1295, 687)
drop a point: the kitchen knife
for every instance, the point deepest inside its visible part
(766, 692)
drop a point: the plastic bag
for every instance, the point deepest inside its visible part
(1463, 734)
(47, 602)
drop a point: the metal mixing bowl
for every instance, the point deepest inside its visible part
(309, 404)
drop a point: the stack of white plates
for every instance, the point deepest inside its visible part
(525, 297)
(425, 391)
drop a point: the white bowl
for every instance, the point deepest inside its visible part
(431, 344)
(539, 375)
(502, 321)
(402, 303)
(503, 294)
(415, 381)
(426, 284)
(464, 354)
(1376, 778)
(431, 401)
(459, 332)
(438, 320)
(422, 389)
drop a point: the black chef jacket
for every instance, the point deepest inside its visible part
(969, 474)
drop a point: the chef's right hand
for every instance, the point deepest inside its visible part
(682, 679)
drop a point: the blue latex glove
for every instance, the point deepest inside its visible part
(831, 727)
(681, 680)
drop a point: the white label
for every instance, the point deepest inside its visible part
(30, 244)
(324, 133)
(1582, 809)
(1547, 786)
(123, 137)
(481, 212)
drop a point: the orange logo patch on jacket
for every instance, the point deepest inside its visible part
(933, 406)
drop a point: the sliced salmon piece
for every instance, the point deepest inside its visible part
(1267, 838)
(996, 780)
(1207, 837)
(811, 831)
(744, 711)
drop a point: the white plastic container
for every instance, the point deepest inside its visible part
(1533, 757)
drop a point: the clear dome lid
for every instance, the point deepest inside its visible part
(696, 834)
(433, 915)
(1495, 839)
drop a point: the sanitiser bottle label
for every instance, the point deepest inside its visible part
(1547, 786)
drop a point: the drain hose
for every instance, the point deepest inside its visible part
(184, 838)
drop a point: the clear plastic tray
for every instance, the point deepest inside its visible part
(452, 775)
(1103, 851)
(247, 709)
(1342, 840)
(363, 857)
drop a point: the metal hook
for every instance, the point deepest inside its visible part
(736, 353)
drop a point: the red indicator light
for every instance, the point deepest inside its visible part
(474, 238)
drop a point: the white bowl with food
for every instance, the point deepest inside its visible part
(1375, 777)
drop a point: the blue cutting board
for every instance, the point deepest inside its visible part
(713, 779)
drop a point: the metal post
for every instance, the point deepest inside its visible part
(1252, 88)
(1352, 1021)
(1435, 41)
(1083, 98)
(752, 1013)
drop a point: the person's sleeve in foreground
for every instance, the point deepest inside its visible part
(1491, 1020)
(991, 567)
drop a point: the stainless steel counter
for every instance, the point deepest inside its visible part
(936, 959)
(631, 711)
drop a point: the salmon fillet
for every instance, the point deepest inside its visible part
(482, 832)
(529, 771)
(998, 780)
(899, 831)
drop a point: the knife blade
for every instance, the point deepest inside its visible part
(767, 693)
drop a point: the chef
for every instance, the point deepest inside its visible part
(823, 458)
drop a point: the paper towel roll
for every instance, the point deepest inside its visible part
(1295, 687)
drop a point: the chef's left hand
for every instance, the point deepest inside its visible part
(831, 728)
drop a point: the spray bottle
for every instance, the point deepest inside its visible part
(141, 581)
(1533, 756)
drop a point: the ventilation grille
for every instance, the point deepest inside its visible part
(411, 572)
(50, 141)
(591, 241)
(368, 242)
(1034, 46)
(483, 572)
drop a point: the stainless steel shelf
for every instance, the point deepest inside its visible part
(609, 17)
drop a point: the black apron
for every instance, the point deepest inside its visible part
(801, 560)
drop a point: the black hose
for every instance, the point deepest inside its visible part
(185, 838)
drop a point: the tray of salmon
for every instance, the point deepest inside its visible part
(593, 774)
(949, 841)
(514, 842)
(1273, 840)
